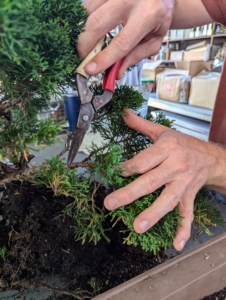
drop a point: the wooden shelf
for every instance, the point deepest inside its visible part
(195, 38)
(188, 39)
(219, 35)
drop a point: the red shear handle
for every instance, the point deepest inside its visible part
(110, 76)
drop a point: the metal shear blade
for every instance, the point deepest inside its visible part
(89, 105)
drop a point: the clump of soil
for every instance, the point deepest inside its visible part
(40, 241)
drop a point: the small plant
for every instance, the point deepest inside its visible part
(3, 252)
(96, 285)
(206, 215)
(88, 217)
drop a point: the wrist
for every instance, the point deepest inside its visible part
(217, 169)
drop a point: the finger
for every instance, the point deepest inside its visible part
(142, 50)
(145, 160)
(144, 185)
(186, 208)
(119, 47)
(146, 127)
(165, 203)
(98, 24)
(91, 5)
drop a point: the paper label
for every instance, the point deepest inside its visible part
(169, 87)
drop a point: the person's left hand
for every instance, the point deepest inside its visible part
(181, 163)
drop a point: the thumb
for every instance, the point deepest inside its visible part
(146, 127)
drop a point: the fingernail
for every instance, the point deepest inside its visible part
(182, 243)
(112, 203)
(91, 67)
(144, 224)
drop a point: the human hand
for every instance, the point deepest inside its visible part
(145, 24)
(181, 163)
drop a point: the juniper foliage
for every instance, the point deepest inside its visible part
(37, 60)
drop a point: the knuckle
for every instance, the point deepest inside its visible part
(122, 43)
(160, 10)
(141, 167)
(95, 21)
(151, 183)
(174, 200)
(172, 141)
(189, 216)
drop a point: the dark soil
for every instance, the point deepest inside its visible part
(221, 295)
(40, 241)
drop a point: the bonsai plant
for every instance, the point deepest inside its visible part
(37, 59)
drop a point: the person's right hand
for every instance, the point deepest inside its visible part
(145, 24)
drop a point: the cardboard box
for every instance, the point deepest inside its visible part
(168, 52)
(151, 69)
(198, 54)
(194, 67)
(204, 89)
(171, 72)
(174, 88)
(176, 55)
(194, 56)
(197, 45)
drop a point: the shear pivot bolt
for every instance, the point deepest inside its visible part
(85, 118)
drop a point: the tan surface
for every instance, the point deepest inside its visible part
(174, 88)
(204, 89)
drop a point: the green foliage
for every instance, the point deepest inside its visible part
(107, 163)
(109, 123)
(160, 118)
(160, 236)
(37, 54)
(205, 215)
(37, 60)
(96, 285)
(3, 252)
(18, 135)
(88, 217)
(55, 175)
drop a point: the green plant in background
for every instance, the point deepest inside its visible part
(37, 60)
(18, 135)
(3, 252)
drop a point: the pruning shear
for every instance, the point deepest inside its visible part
(90, 103)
